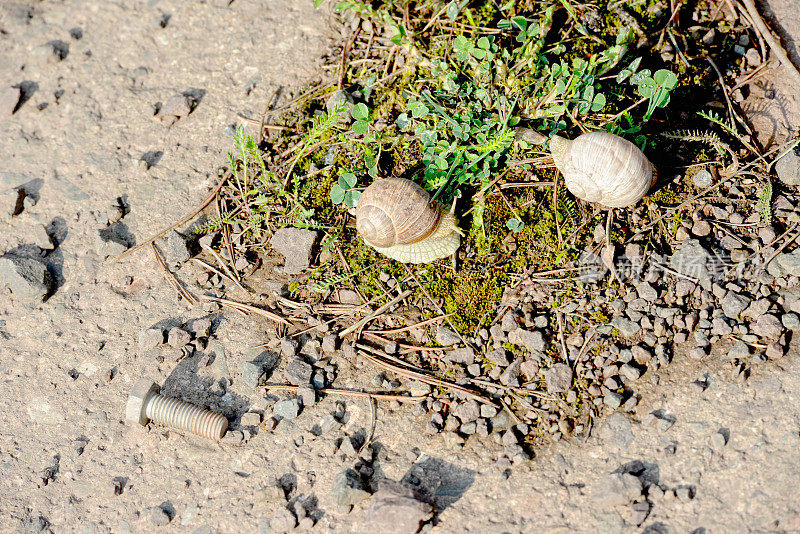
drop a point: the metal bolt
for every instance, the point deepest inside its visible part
(146, 403)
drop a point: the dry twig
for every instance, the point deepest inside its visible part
(241, 306)
(173, 281)
(174, 225)
(371, 316)
(422, 377)
(774, 45)
(351, 393)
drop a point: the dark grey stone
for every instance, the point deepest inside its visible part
(26, 275)
(298, 372)
(347, 489)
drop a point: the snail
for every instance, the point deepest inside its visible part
(397, 218)
(604, 168)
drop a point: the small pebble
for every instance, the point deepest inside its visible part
(286, 409)
(233, 437)
(701, 228)
(702, 179)
(718, 441)
(177, 337)
(790, 321)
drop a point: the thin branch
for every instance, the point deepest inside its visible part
(174, 225)
(241, 306)
(424, 377)
(351, 393)
(371, 316)
(774, 45)
(173, 281)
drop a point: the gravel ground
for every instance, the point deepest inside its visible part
(702, 450)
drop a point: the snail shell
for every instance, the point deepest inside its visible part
(397, 218)
(604, 168)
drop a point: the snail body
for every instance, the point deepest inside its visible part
(604, 168)
(397, 218)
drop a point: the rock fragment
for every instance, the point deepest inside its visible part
(26, 275)
(347, 489)
(286, 409)
(463, 355)
(178, 337)
(340, 100)
(499, 357)
(692, 260)
(531, 340)
(157, 516)
(768, 326)
(151, 338)
(9, 98)
(298, 372)
(252, 373)
(446, 337)
(702, 179)
(394, 509)
(617, 489)
(176, 252)
(785, 264)
(558, 378)
(176, 107)
(788, 167)
(468, 411)
(733, 304)
(639, 512)
(295, 245)
(626, 327)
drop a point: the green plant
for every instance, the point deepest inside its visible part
(360, 113)
(320, 126)
(344, 190)
(656, 89)
(712, 116)
(324, 285)
(703, 136)
(765, 203)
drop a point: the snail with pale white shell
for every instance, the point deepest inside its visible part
(397, 218)
(601, 167)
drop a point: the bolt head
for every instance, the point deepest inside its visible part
(135, 409)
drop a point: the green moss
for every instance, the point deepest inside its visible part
(470, 297)
(665, 195)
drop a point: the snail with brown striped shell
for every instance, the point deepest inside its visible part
(601, 167)
(397, 218)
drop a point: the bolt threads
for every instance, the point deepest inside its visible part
(184, 416)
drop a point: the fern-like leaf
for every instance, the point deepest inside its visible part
(765, 203)
(212, 225)
(324, 123)
(323, 285)
(496, 142)
(703, 136)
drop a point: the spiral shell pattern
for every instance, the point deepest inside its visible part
(604, 168)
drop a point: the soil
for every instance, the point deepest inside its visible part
(70, 462)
